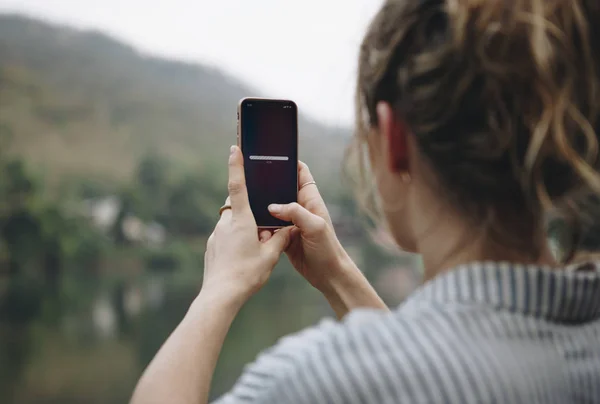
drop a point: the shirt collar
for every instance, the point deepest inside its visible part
(565, 295)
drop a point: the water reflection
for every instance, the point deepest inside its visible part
(110, 341)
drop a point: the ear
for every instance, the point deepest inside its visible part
(394, 133)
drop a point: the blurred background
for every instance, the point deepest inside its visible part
(115, 122)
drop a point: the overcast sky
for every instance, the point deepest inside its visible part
(300, 49)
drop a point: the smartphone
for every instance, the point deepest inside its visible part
(268, 138)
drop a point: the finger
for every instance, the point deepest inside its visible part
(236, 185)
(265, 236)
(300, 216)
(226, 214)
(309, 196)
(304, 174)
(280, 240)
(294, 234)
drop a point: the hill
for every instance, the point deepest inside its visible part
(80, 103)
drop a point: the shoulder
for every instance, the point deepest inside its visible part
(304, 366)
(371, 356)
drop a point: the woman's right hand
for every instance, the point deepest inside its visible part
(314, 249)
(316, 253)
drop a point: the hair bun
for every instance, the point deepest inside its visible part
(502, 96)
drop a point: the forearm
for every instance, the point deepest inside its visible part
(181, 371)
(351, 290)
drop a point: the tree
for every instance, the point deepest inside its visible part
(152, 175)
(191, 206)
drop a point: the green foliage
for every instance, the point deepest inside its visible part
(6, 134)
(173, 257)
(26, 263)
(88, 251)
(192, 204)
(185, 203)
(90, 189)
(83, 102)
(152, 175)
(59, 115)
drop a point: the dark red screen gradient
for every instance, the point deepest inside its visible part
(269, 133)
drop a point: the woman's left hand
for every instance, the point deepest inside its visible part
(238, 260)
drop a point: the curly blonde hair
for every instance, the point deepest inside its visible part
(502, 96)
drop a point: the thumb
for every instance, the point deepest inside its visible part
(308, 222)
(280, 240)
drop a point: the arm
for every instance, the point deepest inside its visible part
(320, 364)
(351, 290)
(236, 265)
(317, 254)
(182, 370)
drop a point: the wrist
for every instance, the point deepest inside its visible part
(350, 289)
(222, 299)
(344, 273)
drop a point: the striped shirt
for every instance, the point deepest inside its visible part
(480, 333)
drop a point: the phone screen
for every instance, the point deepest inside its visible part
(269, 142)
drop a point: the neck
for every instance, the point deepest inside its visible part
(448, 242)
(587, 256)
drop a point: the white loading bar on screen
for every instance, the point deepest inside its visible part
(270, 158)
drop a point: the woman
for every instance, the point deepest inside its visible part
(479, 117)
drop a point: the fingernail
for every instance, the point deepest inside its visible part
(274, 208)
(232, 150)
